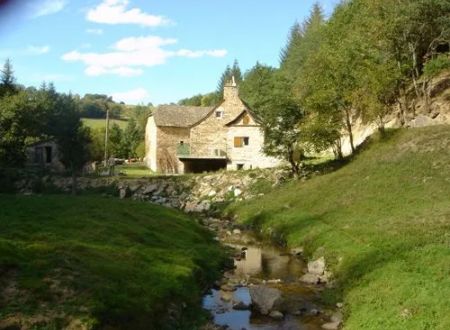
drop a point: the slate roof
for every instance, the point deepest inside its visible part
(180, 116)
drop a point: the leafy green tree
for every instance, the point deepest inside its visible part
(115, 142)
(131, 139)
(268, 93)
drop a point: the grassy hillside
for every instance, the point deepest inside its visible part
(383, 224)
(101, 123)
(100, 261)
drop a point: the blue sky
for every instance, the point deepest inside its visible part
(143, 51)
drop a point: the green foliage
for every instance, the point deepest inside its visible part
(268, 93)
(382, 223)
(119, 264)
(437, 65)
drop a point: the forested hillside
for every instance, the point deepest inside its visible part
(370, 58)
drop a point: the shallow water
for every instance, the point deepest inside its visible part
(267, 265)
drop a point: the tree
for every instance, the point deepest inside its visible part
(303, 41)
(268, 93)
(7, 79)
(71, 136)
(131, 139)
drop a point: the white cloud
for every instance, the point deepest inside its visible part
(135, 96)
(47, 7)
(94, 31)
(201, 53)
(142, 43)
(37, 50)
(131, 55)
(116, 12)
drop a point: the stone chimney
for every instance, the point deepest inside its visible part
(230, 90)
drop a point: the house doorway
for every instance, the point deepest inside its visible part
(203, 165)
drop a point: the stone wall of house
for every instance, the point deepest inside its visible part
(151, 144)
(168, 139)
(37, 156)
(250, 156)
(211, 133)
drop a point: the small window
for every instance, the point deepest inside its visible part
(239, 167)
(219, 114)
(240, 141)
(246, 119)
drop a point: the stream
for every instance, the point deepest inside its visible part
(258, 266)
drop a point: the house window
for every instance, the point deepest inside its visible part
(219, 114)
(241, 141)
(239, 167)
(246, 120)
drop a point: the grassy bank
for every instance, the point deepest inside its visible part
(101, 262)
(383, 224)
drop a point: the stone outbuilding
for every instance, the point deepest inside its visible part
(182, 139)
(44, 154)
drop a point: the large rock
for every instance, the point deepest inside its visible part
(317, 267)
(149, 189)
(123, 192)
(264, 298)
(310, 279)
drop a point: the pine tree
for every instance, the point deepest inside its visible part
(7, 79)
(236, 72)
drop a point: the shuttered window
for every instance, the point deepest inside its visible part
(240, 141)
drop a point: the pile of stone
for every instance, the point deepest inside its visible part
(197, 193)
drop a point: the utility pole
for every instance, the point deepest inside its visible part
(106, 134)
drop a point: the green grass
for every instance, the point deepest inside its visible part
(101, 123)
(107, 262)
(134, 170)
(383, 224)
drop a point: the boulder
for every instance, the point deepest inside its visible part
(237, 192)
(310, 278)
(264, 298)
(331, 325)
(276, 315)
(297, 251)
(241, 306)
(317, 267)
(150, 189)
(123, 193)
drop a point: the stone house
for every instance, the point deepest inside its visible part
(44, 154)
(181, 139)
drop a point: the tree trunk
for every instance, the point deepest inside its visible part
(348, 125)
(337, 149)
(425, 94)
(294, 166)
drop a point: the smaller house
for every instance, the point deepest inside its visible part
(44, 154)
